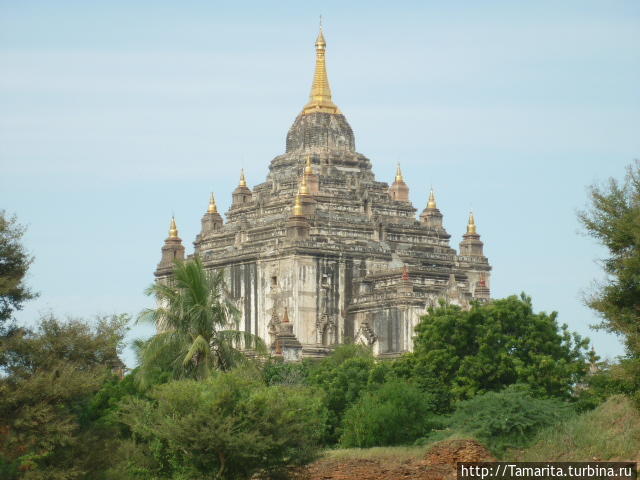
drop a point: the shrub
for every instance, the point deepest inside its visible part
(395, 413)
(507, 419)
(230, 426)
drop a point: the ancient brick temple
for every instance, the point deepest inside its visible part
(321, 252)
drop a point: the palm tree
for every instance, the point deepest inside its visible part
(192, 319)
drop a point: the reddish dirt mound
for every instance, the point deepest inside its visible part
(449, 452)
(439, 464)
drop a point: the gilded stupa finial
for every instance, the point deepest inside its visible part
(432, 200)
(308, 168)
(399, 177)
(304, 187)
(298, 210)
(471, 226)
(320, 97)
(213, 208)
(173, 229)
(243, 180)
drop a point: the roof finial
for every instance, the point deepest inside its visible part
(432, 200)
(308, 169)
(298, 210)
(320, 98)
(173, 229)
(213, 208)
(471, 226)
(399, 177)
(243, 180)
(304, 188)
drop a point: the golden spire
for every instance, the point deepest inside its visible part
(243, 181)
(213, 208)
(432, 200)
(304, 188)
(285, 317)
(298, 210)
(399, 177)
(308, 168)
(320, 98)
(173, 229)
(471, 226)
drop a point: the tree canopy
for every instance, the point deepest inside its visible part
(14, 263)
(51, 374)
(613, 218)
(229, 425)
(498, 344)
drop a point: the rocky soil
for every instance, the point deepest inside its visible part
(439, 463)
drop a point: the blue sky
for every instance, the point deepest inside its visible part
(115, 114)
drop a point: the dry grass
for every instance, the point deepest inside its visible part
(382, 454)
(610, 432)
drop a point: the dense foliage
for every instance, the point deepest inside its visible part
(343, 377)
(51, 376)
(395, 413)
(14, 263)
(228, 426)
(507, 419)
(498, 344)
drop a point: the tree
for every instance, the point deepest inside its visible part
(498, 344)
(192, 319)
(14, 263)
(613, 218)
(50, 377)
(228, 426)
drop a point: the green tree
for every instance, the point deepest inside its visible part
(192, 319)
(498, 344)
(14, 263)
(228, 426)
(50, 377)
(395, 413)
(613, 218)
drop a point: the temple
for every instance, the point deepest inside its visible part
(321, 253)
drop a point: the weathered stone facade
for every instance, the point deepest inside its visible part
(341, 254)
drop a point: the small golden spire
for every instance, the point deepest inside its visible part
(213, 208)
(320, 98)
(304, 188)
(308, 169)
(432, 200)
(471, 226)
(243, 181)
(298, 210)
(173, 229)
(399, 177)
(285, 317)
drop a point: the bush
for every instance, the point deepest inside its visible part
(277, 372)
(395, 413)
(230, 426)
(507, 419)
